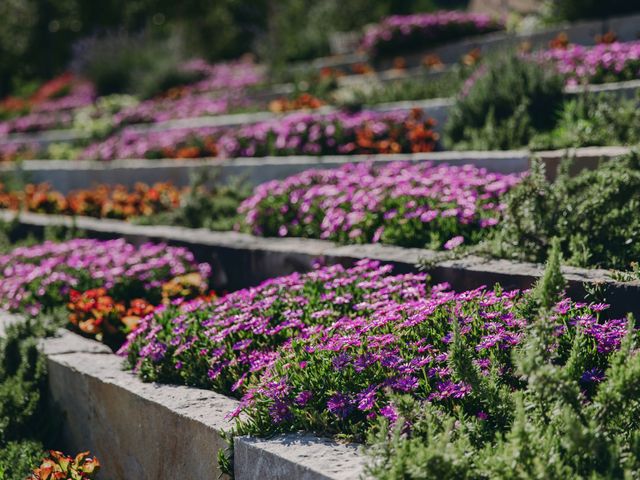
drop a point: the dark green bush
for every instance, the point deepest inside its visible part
(140, 65)
(593, 120)
(594, 214)
(18, 459)
(577, 9)
(503, 104)
(560, 424)
(208, 204)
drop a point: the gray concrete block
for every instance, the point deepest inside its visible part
(137, 430)
(241, 260)
(66, 175)
(296, 456)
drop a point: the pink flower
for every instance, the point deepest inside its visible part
(453, 242)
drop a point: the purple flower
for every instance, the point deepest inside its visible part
(453, 242)
(340, 405)
(595, 375)
(280, 411)
(303, 398)
(390, 413)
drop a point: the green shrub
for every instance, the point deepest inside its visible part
(594, 215)
(444, 86)
(141, 65)
(503, 104)
(576, 9)
(18, 459)
(97, 120)
(560, 424)
(209, 203)
(593, 120)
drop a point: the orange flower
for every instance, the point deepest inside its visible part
(559, 41)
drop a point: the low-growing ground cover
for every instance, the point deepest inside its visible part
(102, 201)
(410, 205)
(105, 286)
(206, 203)
(402, 33)
(354, 351)
(294, 134)
(606, 62)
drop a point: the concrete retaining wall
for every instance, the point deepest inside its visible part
(626, 29)
(241, 260)
(65, 176)
(144, 431)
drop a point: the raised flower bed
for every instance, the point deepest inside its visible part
(332, 350)
(102, 201)
(410, 205)
(311, 134)
(106, 286)
(607, 62)
(402, 33)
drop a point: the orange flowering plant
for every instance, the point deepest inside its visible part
(104, 315)
(101, 201)
(60, 466)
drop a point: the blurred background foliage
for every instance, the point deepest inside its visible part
(40, 38)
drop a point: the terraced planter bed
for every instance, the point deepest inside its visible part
(117, 402)
(581, 32)
(66, 176)
(239, 260)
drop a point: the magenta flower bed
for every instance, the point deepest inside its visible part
(83, 93)
(162, 110)
(224, 86)
(411, 205)
(35, 122)
(224, 76)
(399, 33)
(40, 277)
(615, 62)
(298, 133)
(326, 351)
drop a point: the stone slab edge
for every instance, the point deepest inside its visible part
(241, 260)
(296, 456)
(149, 431)
(436, 108)
(65, 176)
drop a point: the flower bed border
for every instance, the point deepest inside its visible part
(241, 260)
(65, 176)
(581, 32)
(436, 108)
(150, 431)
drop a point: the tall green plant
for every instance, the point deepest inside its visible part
(503, 105)
(562, 423)
(592, 214)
